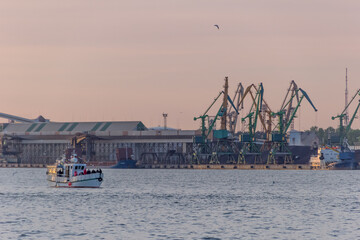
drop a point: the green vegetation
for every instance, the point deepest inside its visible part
(324, 135)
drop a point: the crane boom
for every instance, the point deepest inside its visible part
(352, 99)
(343, 132)
(215, 99)
(348, 127)
(278, 138)
(293, 88)
(221, 112)
(233, 115)
(254, 105)
(304, 95)
(307, 98)
(257, 104)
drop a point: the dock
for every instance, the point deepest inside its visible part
(230, 166)
(22, 165)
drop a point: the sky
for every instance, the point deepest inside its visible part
(87, 60)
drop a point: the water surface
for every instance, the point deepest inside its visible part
(183, 204)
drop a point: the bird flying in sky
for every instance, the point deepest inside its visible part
(217, 26)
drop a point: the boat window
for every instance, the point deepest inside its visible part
(76, 167)
(82, 168)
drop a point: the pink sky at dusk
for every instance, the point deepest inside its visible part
(133, 60)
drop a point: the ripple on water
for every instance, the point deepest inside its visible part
(184, 204)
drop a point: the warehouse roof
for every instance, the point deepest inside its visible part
(71, 127)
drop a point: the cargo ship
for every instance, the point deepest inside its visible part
(346, 161)
(126, 163)
(125, 158)
(335, 158)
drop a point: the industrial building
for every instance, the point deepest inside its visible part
(44, 142)
(39, 141)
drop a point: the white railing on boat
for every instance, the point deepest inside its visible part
(79, 178)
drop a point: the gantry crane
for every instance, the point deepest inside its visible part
(279, 145)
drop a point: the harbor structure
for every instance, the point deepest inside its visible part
(43, 143)
(27, 141)
(40, 141)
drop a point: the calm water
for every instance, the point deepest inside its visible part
(183, 204)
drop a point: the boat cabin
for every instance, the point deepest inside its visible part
(72, 169)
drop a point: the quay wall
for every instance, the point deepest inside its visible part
(230, 166)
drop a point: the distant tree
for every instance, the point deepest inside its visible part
(314, 129)
(353, 136)
(324, 136)
(320, 133)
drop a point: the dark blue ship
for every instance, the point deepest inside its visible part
(127, 163)
(347, 161)
(124, 158)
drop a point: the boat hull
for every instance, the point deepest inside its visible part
(345, 165)
(93, 180)
(125, 164)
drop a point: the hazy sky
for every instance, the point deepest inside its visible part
(112, 60)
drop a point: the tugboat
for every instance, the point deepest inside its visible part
(73, 173)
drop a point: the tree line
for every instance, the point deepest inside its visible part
(325, 135)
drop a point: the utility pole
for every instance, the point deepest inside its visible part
(346, 100)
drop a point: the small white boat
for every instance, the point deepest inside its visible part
(73, 174)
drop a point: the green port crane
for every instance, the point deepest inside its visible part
(233, 114)
(248, 139)
(343, 132)
(205, 116)
(202, 143)
(293, 89)
(278, 139)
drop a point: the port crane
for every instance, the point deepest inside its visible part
(10, 148)
(83, 143)
(248, 139)
(201, 143)
(287, 104)
(279, 145)
(261, 111)
(233, 113)
(343, 132)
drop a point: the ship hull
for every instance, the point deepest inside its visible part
(299, 155)
(125, 164)
(347, 162)
(345, 165)
(93, 180)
